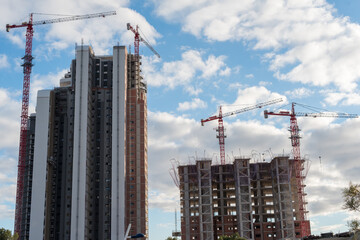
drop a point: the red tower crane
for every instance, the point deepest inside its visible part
(221, 131)
(139, 39)
(25, 98)
(298, 163)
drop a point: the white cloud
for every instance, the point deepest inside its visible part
(6, 212)
(193, 91)
(340, 98)
(165, 200)
(40, 82)
(235, 85)
(194, 104)
(304, 41)
(264, 83)
(4, 63)
(7, 182)
(299, 93)
(254, 95)
(225, 72)
(192, 66)
(249, 75)
(10, 109)
(17, 39)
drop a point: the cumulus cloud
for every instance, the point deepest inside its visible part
(256, 94)
(165, 200)
(193, 90)
(193, 67)
(4, 63)
(340, 98)
(194, 104)
(299, 93)
(303, 40)
(249, 75)
(48, 81)
(10, 108)
(7, 182)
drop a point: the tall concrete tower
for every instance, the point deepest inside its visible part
(89, 144)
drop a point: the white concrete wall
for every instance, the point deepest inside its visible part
(37, 217)
(80, 144)
(118, 143)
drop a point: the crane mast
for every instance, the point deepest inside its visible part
(25, 100)
(298, 162)
(221, 130)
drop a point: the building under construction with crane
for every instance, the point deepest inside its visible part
(82, 170)
(257, 200)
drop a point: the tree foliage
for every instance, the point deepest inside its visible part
(354, 225)
(5, 234)
(235, 236)
(171, 238)
(351, 197)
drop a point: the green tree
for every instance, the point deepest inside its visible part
(5, 234)
(15, 236)
(171, 238)
(235, 236)
(351, 196)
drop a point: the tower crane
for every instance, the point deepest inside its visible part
(220, 129)
(139, 39)
(298, 163)
(25, 97)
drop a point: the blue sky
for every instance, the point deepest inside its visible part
(212, 53)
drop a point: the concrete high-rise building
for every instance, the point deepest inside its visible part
(86, 169)
(256, 200)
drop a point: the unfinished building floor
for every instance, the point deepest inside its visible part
(257, 200)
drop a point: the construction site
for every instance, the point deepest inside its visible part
(258, 200)
(83, 161)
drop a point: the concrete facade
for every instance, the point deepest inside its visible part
(256, 200)
(25, 225)
(136, 150)
(83, 171)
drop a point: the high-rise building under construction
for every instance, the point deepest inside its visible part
(86, 169)
(257, 200)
